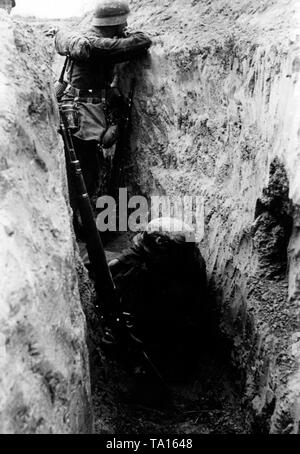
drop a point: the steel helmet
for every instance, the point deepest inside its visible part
(173, 227)
(110, 12)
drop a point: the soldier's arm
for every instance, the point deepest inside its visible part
(73, 44)
(81, 47)
(118, 50)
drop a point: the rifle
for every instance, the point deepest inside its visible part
(110, 307)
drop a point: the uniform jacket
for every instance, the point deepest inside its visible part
(93, 57)
(91, 66)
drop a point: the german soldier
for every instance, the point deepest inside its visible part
(91, 72)
(161, 280)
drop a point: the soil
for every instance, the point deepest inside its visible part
(44, 368)
(204, 405)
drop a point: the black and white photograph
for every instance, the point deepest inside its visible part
(150, 220)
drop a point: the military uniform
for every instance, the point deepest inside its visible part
(90, 74)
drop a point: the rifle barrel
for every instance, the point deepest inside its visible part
(103, 280)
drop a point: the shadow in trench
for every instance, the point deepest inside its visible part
(204, 396)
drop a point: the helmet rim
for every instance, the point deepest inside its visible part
(111, 20)
(111, 12)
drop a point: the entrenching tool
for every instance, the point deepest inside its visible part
(117, 329)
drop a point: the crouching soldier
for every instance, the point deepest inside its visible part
(91, 73)
(161, 280)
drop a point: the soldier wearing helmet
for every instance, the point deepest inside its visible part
(91, 73)
(161, 280)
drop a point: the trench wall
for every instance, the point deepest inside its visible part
(216, 114)
(44, 368)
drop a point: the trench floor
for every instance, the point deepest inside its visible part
(206, 402)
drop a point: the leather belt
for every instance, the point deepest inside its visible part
(90, 95)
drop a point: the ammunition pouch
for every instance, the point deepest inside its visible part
(94, 114)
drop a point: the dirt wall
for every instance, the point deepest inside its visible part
(216, 115)
(44, 370)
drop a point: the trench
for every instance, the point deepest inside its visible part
(199, 127)
(205, 389)
(209, 388)
(211, 398)
(214, 115)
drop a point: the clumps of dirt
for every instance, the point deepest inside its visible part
(208, 107)
(273, 311)
(45, 382)
(205, 403)
(273, 223)
(171, 22)
(271, 235)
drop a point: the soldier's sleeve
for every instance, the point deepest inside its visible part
(118, 50)
(73, 44)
